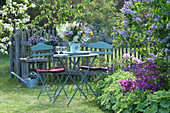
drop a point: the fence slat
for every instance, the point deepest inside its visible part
(18, 53)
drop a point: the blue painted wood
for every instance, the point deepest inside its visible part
(41, 46)
(101, 45)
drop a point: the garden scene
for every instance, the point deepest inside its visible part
(85, 56)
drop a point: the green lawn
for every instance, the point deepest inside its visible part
(15, 97)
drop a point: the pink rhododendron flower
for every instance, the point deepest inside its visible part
(126, 56)
(134, 59)
(139, 61)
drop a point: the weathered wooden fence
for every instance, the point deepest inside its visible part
(20, 48)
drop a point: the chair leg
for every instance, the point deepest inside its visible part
(60, 83)
(44, 87)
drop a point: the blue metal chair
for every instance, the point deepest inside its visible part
(43, 50)
(105, 49)
(1, 66)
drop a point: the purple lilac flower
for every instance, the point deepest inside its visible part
(164, 40)
(124, 33)
(126, 56)
(153, 26)
(137, 19)
(168, 45)
(148, 16)
(131, 51)
(150, 32)
(166, 50)
(115, 29)
(151, 55)
(168, 2)
(156, 18)
(125, 22)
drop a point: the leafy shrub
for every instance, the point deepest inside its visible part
(112, 68)
(111, 98)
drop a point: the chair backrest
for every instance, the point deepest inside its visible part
(46, 49)
(101, 45)
(106, 49)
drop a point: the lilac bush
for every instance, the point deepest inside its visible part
(146, 18)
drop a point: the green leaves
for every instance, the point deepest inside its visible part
(141, 106)
(165, 104)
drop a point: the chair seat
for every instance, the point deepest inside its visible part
(52, 70)
(93, 68)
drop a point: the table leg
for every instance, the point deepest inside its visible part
(67, 79)
(84, 76)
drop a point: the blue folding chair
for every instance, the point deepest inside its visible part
(43, 50)
(102, 49)
(1, 66)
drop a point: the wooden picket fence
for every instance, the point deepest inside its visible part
(20, 48)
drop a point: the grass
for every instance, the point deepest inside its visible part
(17, 98)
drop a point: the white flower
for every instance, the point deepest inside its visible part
(2, 50)
(17, 28)
(0, 21)
(26, 1)
(11, 28)
(14, 3)
(3, 40)
(9, 20)
(25, 20)
(17, 23)
(75, 38)
(9, 43)
(25, 7)
(4, 13)
(6, 26)
(6, 52)
(33, 5)
(13, 12)
(4, 6)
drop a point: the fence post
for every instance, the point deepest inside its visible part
(11, 54)
(18, 52)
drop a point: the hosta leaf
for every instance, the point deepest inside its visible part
(165, 104)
